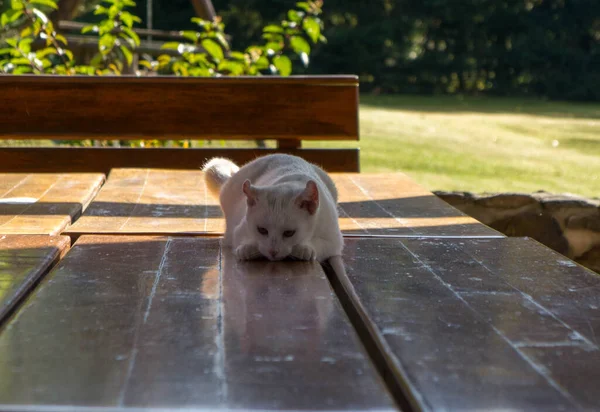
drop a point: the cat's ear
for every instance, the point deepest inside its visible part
(309, 198)
(250, 192)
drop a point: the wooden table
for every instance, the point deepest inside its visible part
(39, 203)
(146, 201)
(427, 310)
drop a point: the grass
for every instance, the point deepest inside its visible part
(482, 144)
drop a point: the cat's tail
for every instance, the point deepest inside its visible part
(216, 172)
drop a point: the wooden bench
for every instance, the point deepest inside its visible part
(428, 309)
(288, 110)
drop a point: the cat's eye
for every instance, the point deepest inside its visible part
(262, 231)
(289, 233)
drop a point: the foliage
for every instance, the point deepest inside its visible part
(207, 52)
(17, 55)
(510, 47)
(29, 43)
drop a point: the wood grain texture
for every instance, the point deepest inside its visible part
(465, 324)
(135, 322)
(102, 160)
(24, 259)
(319, 107)
(154, 201)
(44, 203)
(394, 205)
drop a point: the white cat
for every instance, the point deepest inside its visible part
(277, 206)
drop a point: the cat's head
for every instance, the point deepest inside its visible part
(281, 216)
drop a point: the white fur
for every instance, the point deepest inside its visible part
(279, 183)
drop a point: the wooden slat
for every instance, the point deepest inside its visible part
(44, 203)
(23, 260)
(465, 324)
(393, 204)
(152, 201)
(315, 107)
(126, 322)
(157, 201)
(95, 159)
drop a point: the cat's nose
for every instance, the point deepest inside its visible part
(273, 252)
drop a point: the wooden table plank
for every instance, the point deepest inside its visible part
(176, 202)
(152, 201)
(393, 204)
(44, 203)
(23, 260)
(141, 321)
(466, 324)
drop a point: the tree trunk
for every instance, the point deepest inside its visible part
(204, 9)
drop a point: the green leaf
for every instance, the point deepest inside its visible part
(87, 29)
(173, 45)
(222, 40)
(273, 28)
(61, 38)
(303, 5)
(164, 59)
(274, 47)
(25, 45)
(106, 43)
(13, 15)
(283, 65)
(22, 70)
(26, 32)
(190, 35)
(312, 28)
(48, 3)
(100, 10)
(129, 3)
(40, 54)
(237, 55)
(127, 53)
(4, 19)
(133, 35)
(17, 4)
(213, 49)
(299, 45)
(201, 72)
(96, 60)
(20, 60)
(113, 11)
(127, 18)
(69, 53)
(234, 68)
(5, 51)
(272, 37)
(146, 64)
(262, 63)
(295, 15)
(136, 19)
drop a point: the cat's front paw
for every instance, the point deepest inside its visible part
(303, 252)
(247, 252)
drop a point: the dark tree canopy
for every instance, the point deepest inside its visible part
(540, 47)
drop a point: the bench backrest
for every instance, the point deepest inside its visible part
(287, 109)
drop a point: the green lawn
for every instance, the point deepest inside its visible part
(482, 144)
